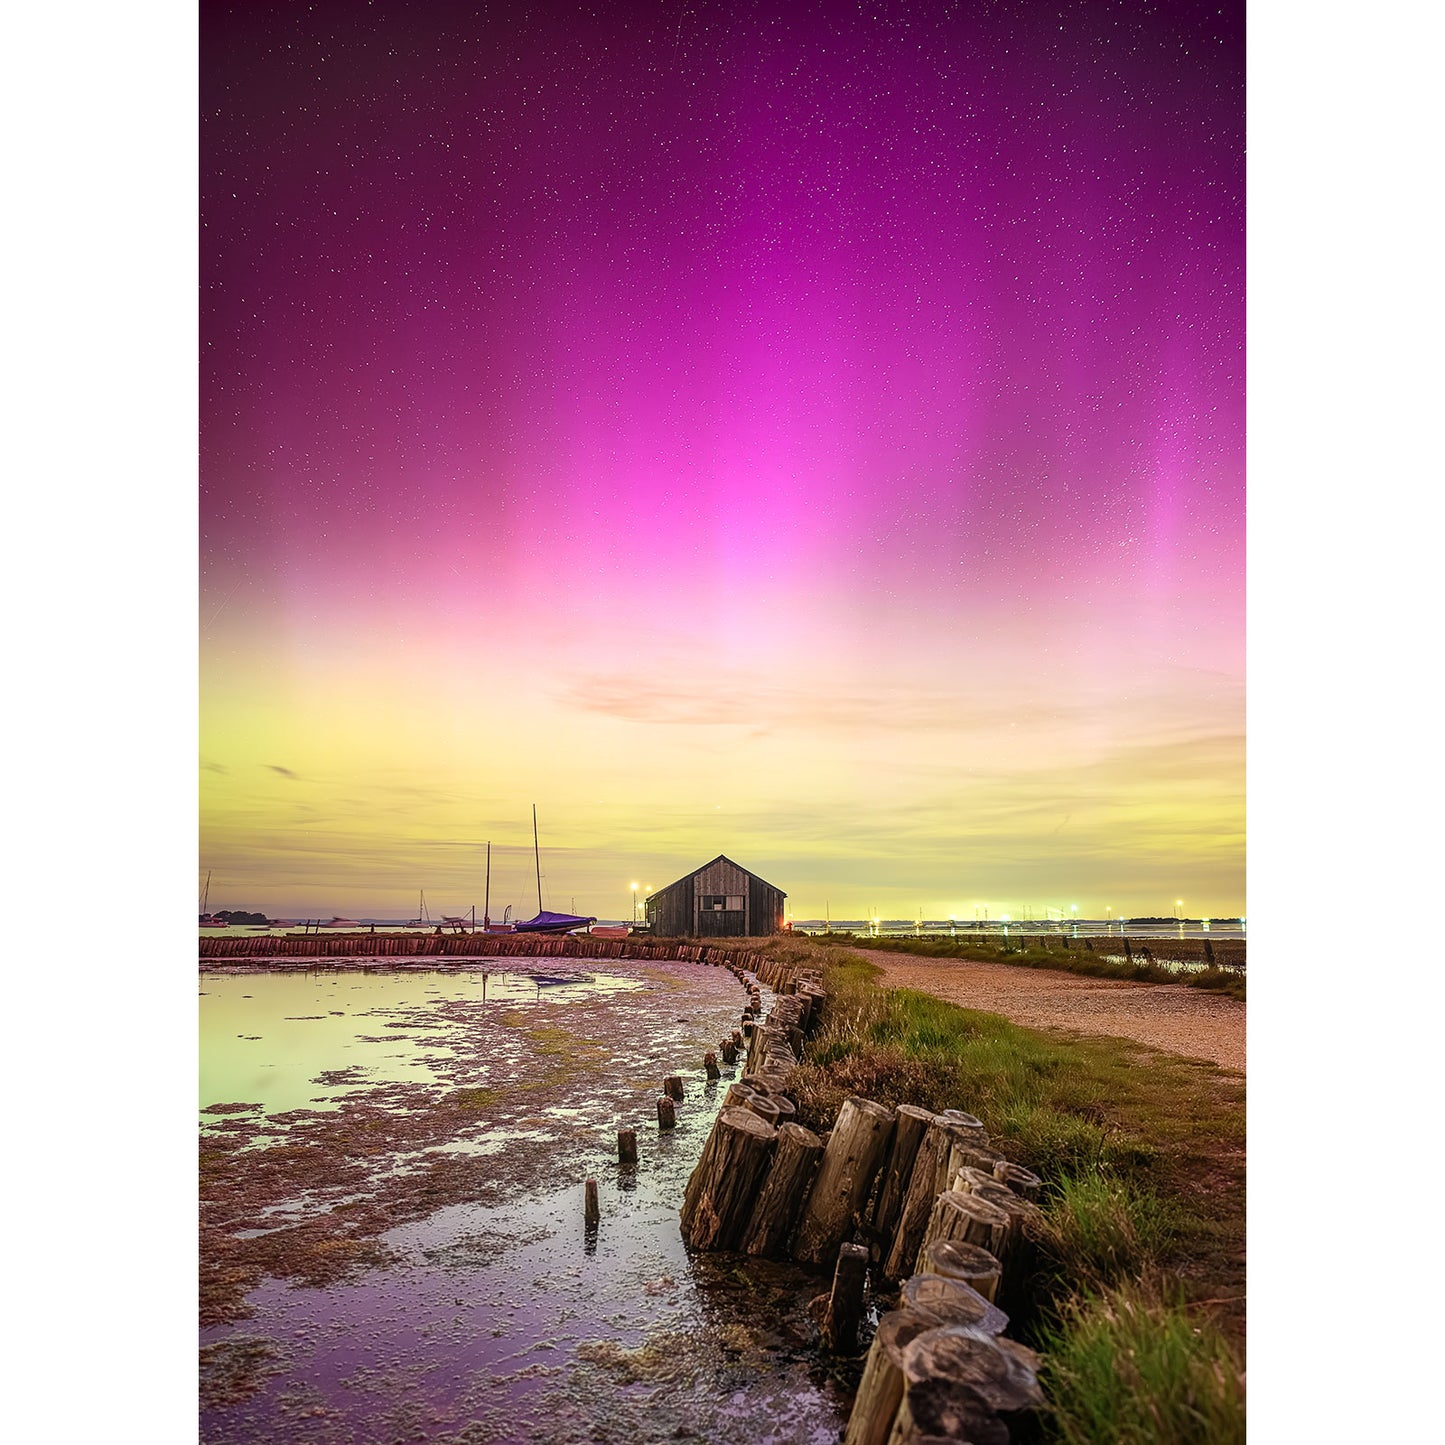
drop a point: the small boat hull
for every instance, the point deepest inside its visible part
(553, 923)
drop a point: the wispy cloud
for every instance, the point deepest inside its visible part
(285, 772)
(723, 701)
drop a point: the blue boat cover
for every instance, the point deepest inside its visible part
(546, 922)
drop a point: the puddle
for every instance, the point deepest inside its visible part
(412, 1252)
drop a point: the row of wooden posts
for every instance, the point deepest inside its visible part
(672, 1087)
(476, 945)
(906, 1195)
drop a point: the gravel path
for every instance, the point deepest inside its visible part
(1172, 1017)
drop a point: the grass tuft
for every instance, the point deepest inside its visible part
(1101, 1230)
(1134, 1367)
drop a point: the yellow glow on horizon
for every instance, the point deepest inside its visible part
(343, 789)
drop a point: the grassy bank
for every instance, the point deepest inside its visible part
(1032, 953)
(1140, 1291)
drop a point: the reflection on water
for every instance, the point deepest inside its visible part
(305, 1040)
(491, 1312)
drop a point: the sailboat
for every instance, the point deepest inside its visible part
(487, 925)
(546, 922)
(208, 920)
(421, 920)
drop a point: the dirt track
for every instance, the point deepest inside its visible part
(1178, 1019)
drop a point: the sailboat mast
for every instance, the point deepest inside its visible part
(487, 895)
(206, 896)
(537, 853)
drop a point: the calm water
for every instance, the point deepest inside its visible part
(495, 1315)
(278, 1039)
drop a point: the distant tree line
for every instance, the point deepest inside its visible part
(234, 915)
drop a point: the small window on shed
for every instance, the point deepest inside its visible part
(735, 905)
(713, 902)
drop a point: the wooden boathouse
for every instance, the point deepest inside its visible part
(718, 900)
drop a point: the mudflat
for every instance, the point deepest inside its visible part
(1174, 1017)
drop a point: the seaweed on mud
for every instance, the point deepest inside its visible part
(336, 1078)
(483, 1248)
(664, 1359)
(233, 1370)
(474, 1098)
(328, 1158)
(330, 1189)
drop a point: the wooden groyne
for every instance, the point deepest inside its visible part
(951, 1221)
(349, 946)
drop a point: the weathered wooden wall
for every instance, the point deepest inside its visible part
(669, 910)
(721, 877)
(676, 911)
(765, 906)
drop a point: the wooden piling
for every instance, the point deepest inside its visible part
(591, 1210)
(775, 1212)
(787, 1109)
(666, 1113)
(880, 1391)
(956, 1382)
(983, 1186)
(720, 1194)
(968, 1152)
(928, 1179)
(1022, 1181)
(910, 1123)
(968, 1218)
(969, 1264)
(851, 1161)
(764, 1108)
(709, 1064)
(951, 1302)
(971, 1124)
(840, 1310)
(627, 1146)
(672, 1087)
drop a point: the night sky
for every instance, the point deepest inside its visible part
(810, 432)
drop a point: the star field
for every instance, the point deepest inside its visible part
(811, 432)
